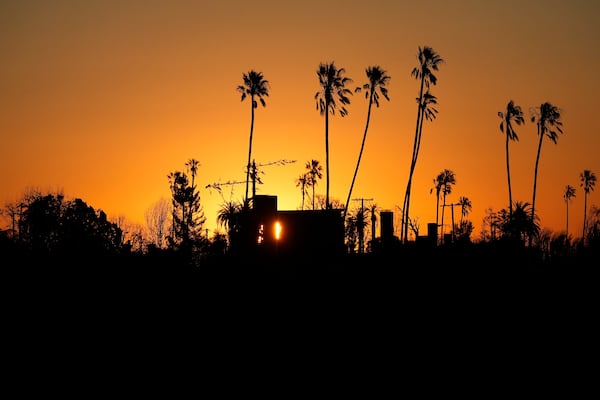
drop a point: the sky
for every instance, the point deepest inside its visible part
(101, 100)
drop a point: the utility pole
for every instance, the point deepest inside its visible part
(254, 171)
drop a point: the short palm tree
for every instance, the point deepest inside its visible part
(437, 186)
(465, 207)
(301, 182)
(568, 195)
(513, 113)
(333, 89)
(588, 181)
(256, 88)
(378, 80)
(429, 62)
(228, 215)
(448, 179)
(314, 172)
(547, 118)
(519, 225)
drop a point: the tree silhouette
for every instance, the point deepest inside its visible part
(465, 207)
(256, 88)
(302, 182)
(188, 216)
(588, 181)
(156, 221)
(228, 217)
(569, 193)
(520, 224)
(377, 84)
(429, 62)
(314, 172)
(447, 180)
(333, 86)
(438, 181)
(547, 118)
(513, 113)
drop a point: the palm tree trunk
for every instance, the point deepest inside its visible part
(326, 155)
(508, 176)
(537, 160)
(443, 210)
(437, 213)
(404, 236)
(362, 146)
(584, 217)
(249, 148)
(567, 218)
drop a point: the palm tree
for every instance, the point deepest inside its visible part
(257, 88)
(569, 193)
(448, 179)
(227, 216)
(437, 186)
(314, 172)
(429, 62)
(465, 207)
(301, 182)
(333, 86)
(588, 181)
(519, 225)
(547, 118)
(192, 164)
(377, 83)
(512, 114)
(373, 208)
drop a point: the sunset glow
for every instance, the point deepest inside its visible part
(102, 100)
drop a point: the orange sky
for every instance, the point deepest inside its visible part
(102, 99)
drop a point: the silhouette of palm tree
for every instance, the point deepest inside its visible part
(227, 216)
(465, 207)
(437, 186)
(547, 118)
(314, 172)
(447, 179)
(257, 88)
(520, 224)
(429, 62)
(569, 193)
(377, 83)
(333, 86)
(588, 181)
(301, 182)
(513, 113)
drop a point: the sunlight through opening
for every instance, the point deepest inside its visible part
(278, 230)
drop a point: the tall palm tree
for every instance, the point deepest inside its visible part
(256, 88)
(569, 193)
(448, 179)
(378, 79)
(333, 88)
(547, 118)
(512, 114)
(429, 62)
(301, 182)
(588, 181)
(314, 172)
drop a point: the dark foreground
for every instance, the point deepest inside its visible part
(463, 322)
